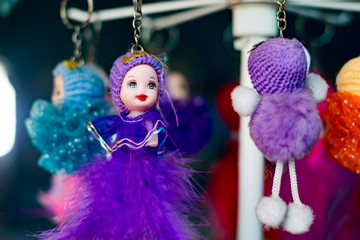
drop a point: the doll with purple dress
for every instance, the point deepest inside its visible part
(190, 125)
(139, 191)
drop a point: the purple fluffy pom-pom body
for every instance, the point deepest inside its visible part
(285, 126)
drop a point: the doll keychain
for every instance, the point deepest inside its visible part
(187, 116)
(341, 138)
(285, 123)
(58, 128)
(78, 95)
(139, 190)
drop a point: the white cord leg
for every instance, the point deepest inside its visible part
(277, 179)
(271, 210)
(293, 181)
(299, 216)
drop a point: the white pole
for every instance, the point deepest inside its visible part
(251, 24)
(250, 165)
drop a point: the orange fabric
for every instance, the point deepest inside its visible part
(342, 135)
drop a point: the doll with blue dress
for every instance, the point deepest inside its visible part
(58, 128)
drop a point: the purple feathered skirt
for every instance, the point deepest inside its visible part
(133, 195)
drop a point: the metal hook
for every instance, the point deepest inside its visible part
(65, 19)
(76, 37)
(137, 24)
(137, 5)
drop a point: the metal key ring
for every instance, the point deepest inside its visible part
(137, 5)
(65, 19)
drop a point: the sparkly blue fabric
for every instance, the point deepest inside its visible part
(61, 135)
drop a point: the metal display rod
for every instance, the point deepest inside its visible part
(149, 8)
(153, 8)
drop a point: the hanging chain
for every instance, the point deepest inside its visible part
(76, 37)
(77, 40)
(137, 24)
(281, 17)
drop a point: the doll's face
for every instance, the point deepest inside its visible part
(58, 93)
(139, 89)
(178, 86)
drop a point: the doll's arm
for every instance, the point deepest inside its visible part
(244, 100)
(318, 87)
(104, 129)
(154, 139)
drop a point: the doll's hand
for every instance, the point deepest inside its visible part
(154, 139)
(318, 87)
(153, 142)
(244, 100)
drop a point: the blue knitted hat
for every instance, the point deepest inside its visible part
(82, 84)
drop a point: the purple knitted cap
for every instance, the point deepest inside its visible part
(123, 64)
(278, 65)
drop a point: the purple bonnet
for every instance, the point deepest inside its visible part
(278, 65)
(123, 64)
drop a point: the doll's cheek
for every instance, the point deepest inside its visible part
(58, 89)
(126, 97)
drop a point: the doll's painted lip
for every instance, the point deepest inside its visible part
(141, 97)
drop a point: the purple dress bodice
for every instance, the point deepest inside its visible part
(119, 134)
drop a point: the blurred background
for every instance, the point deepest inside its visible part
(33, 40)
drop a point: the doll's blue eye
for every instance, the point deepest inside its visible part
(132, 84)
(151, 85)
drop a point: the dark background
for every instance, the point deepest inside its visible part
(33, 40)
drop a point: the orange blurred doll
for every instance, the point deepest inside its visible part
(342, 136)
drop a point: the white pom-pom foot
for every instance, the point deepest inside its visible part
(244, 100)
(298, 219)
(271, 211)
(317, 86)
